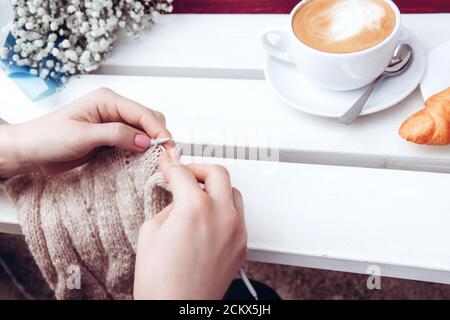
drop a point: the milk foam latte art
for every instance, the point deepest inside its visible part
(343, 26)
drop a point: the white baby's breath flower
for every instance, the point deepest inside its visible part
(52, 37)
(71, 9)
(79, 33)
(71, 55)
(43, 73)
(65, 44)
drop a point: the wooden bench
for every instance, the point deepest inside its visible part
(329, 197)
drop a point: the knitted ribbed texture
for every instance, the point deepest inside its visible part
(89, 218)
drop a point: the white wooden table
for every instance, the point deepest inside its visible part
(341, 198)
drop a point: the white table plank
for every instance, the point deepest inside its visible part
(344, 219)
(245, 113)
(225, 45)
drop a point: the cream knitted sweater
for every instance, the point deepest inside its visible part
(82, 226)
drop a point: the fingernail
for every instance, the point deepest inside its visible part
(142, 141)
(174, 154)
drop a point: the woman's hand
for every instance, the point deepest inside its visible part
(71, 135)
(192, 249)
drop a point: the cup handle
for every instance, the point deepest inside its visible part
(280, 48)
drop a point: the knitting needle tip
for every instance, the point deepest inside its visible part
(248, 284)
(160, 141)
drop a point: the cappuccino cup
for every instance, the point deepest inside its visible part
(337, 44)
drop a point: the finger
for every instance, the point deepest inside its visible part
(160, 116)
(118, 135)
(150, 227)
(215, 178)
(181, 180)
(161, 217)
(238, 202)
(55, 168)
(112, 107)
(239, 205)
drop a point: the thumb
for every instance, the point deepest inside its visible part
(237, 200)
(119, 135)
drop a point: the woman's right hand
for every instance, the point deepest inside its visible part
(193, 248)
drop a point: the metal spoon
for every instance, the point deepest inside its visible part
(401, 60)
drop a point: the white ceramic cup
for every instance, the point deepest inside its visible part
(334, 71)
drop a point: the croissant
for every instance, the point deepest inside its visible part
(430, 125)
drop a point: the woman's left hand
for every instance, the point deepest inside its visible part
(70, 136)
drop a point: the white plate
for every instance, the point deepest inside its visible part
(437, 76)
(295, 90)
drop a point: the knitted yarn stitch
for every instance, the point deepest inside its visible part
(82, 226)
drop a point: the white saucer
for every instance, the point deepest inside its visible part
(295, 90)
(437, 76)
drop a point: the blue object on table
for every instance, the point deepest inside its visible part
(34, 87)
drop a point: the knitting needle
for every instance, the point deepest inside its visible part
(248, 284)
(160, 141)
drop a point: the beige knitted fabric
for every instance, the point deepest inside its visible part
(88, 220)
